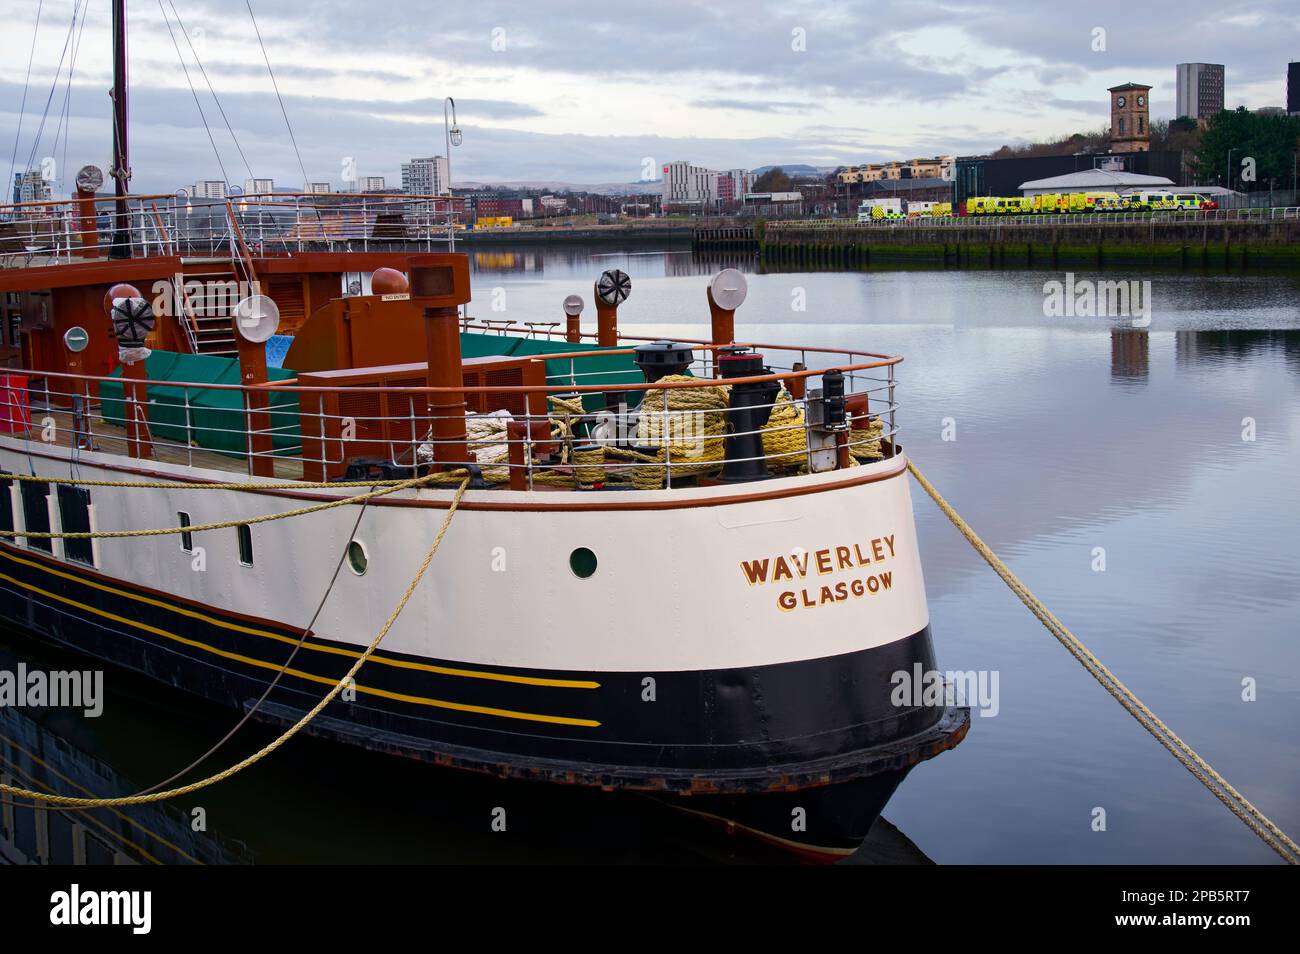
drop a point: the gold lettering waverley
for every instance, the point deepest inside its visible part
(802, 564)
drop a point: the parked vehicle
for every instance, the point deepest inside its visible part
(1153, 200)
(874, 210)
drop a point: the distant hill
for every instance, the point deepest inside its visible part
(794, 169)
(599, 188)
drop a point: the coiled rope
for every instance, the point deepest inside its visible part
(687, 425)
(289, 733)
(1218, 786)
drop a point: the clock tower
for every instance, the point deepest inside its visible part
(1130, 124)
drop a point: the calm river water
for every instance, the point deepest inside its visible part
(1071, 434)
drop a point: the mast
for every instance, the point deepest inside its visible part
(121, 171)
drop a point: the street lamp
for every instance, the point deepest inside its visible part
(453, 137)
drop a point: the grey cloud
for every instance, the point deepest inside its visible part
(758, 106)
(725, 56)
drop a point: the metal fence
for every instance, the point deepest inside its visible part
(1059, 218)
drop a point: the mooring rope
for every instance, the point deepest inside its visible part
(1237, 803)
(201, 485)
(141, 799)
(250, 711)
(223, 524)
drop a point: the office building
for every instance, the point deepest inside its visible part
(689, 186)
(1199, 90)
(208, 189)
(428, 176)
(32, 187)
(732, 186)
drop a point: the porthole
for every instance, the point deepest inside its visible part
(358, 560)
(582, 562)
(245, 544)
(187, 539)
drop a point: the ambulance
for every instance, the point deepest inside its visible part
(1152, 200)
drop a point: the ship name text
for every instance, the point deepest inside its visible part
(845, 561)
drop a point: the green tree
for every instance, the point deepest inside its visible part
(1238, 143)
(774, 180)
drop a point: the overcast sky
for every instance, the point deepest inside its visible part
(599, 92)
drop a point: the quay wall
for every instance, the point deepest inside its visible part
(1267, 243)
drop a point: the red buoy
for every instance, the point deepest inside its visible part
(119, 291)
(388, 281)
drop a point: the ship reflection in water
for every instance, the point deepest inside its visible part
(35, 755)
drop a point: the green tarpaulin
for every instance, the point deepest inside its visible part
(598, 369)
(206, 417)
(214, 418)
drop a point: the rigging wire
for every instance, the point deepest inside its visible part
(22, 108)
(64, 129)
(50, 99)
(230, 129)
(284, 112)
(221, 165)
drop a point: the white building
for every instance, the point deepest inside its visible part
(371, 184)
(733, 185)
(429, 176)
(688, 185)
(1199, 90)
(318, 188)
(209, 189)
(1095, 180)
(32, 187)
(259, 186)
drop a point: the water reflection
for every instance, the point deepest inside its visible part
(1214, 348)
(38, 751)
(526, 262)
(1071, 435)
(1129, 355)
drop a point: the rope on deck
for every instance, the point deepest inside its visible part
(1218, 786)
(141, 799)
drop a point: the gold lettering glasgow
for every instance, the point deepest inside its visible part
(807, 566)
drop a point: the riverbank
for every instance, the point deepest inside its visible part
(1180, 243)
(667, 235)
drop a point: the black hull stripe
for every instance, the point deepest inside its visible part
(731, 720)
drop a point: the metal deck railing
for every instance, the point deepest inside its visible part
(586, 427)
(69, 230)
